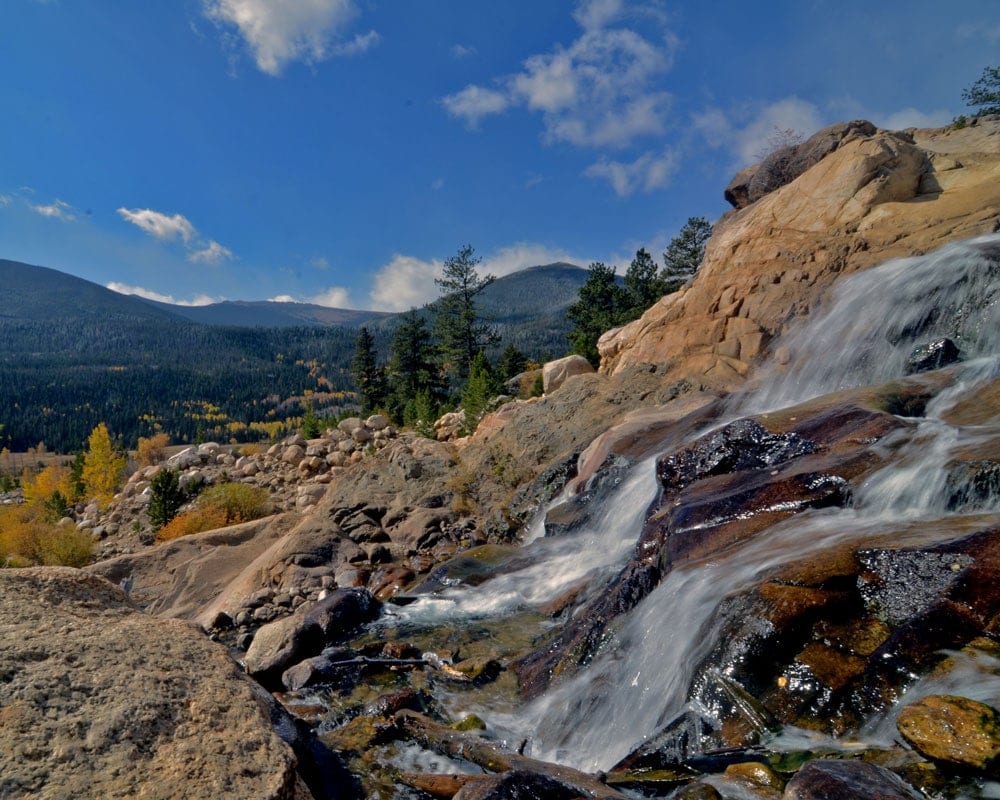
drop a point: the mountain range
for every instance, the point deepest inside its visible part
(75, 353)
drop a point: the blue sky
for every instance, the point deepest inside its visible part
(336, 151)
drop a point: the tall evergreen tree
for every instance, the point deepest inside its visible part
(412, 368)
(684, 253)
(642, 285)
(458, 324)
(600, 306)
(368, 376)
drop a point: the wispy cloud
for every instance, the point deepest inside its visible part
(278, 32)
(462, 51)
(212, 253)
(912, 118)
(437, 183)
(746, 132)
(650, 171)
(159, 225)
(5, 200)
(149, 294)
(58, 209)
(598, 92)
(177, 227)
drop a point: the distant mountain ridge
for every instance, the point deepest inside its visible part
(73, 353)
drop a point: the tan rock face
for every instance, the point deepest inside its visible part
(873, 198)
(953, 729)
(99, 700)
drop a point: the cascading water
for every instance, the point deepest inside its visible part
(864, 337)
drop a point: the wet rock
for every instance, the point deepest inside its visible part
(973, 485)
(828, 779)
(278, 645)
(757, 777)
(739, 446)
(388, 704)
(900, 584)
(359, 735)
(955, 730)
(697, 791)
(517, 785)
(933, 355)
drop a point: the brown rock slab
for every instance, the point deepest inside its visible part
(833, 780)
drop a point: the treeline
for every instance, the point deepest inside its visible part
(190, 381)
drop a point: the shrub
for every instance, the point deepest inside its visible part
(152, 450)
(27, 538)
(196, 520)
(225, 504)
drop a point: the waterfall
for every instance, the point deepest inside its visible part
(864, 337)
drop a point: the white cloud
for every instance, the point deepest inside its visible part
(746, 134)
(212, 253)
(159, 225)
(650, 171)
(361, 43)
(282, 298)
(149, 294)
(600, 91)
(474, 102)
(437, 184)
(405, 282)
(5, 200)
(56, 210)
(319, 262)
(334, 297)
(462, 51)
(912, 118)
(281, 31)
(593, 14)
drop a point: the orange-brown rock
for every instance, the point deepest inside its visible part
(873, 198)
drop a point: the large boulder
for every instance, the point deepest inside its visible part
(280, 644)
(100, 700)
(556, 373)
(771, 262)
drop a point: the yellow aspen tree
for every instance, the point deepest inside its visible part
(102, 467)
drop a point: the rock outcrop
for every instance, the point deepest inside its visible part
(100, 700)
(872, 195)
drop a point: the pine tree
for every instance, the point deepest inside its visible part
(685, 253)
(985, 92)
(458, 325)
(368, 376)
(411, 367)
(642, 286)
(102, 466)
(479, 389)
(512, 362)
(600, 306)
(166, 497)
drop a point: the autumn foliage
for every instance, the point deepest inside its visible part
(225, 504)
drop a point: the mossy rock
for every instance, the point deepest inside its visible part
(954, 730)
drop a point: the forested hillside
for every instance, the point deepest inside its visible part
(74, 354)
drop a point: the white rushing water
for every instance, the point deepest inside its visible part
(554, 565)
(863, 337)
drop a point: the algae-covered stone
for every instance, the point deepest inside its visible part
(953, 729)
